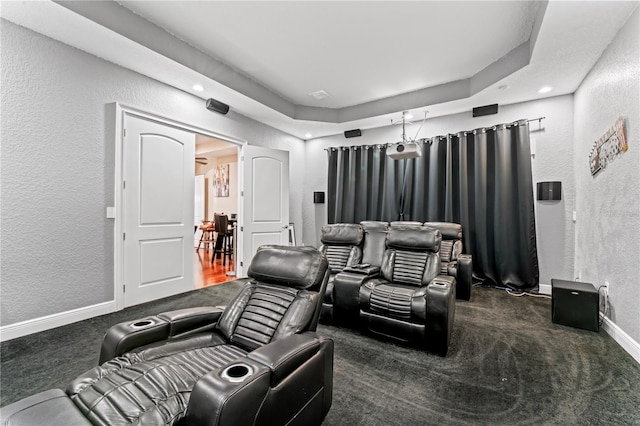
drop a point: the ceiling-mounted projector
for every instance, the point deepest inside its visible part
(407, 148)
(400, 151)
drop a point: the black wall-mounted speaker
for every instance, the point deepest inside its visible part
(550, 191)
(485, 110)
(217, 106)
(318, 198)
(352, 133)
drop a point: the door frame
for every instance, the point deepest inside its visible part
(119, 111)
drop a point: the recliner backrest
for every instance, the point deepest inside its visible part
(375, 236)
(451, 245)
(341, 245)
(283, 296)
(412, 256)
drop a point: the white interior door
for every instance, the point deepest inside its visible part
(158, 194)
(265, 201)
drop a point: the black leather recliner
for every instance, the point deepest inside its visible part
(257, 362)
(453, 262)
(341, 246)
(409, 301)
(346, 285)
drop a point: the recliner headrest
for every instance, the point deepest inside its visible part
(342, 233)
(449, 230)
(404, 223)
(374, 225)
(298, 267)
(414, 238)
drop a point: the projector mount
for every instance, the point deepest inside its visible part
(407, 148)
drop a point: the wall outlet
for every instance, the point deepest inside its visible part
(604, 300)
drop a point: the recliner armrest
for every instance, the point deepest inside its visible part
(51, 407)
(464, 276)
(183, 322)
(346, 296)
(244, 391)
(285, 355)
(441, 305)
(128, 335)
(216, 400)
(361, 269)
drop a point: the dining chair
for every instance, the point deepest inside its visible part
(224, 241)
(207, 237)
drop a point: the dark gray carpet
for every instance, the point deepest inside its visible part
(507, 365)
(54, 358)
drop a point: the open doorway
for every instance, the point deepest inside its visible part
(216, 193)
(154, 245)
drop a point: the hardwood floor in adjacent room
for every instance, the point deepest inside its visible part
(206, 273)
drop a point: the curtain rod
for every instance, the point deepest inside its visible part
(539, 120)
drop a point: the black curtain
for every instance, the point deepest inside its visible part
(480, 179)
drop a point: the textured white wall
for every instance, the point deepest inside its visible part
(57, 168)
(553, 161)
(608, 204)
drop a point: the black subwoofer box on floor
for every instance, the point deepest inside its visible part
(574, 304)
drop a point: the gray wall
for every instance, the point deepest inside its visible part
(553, 161)
(608, 204)
(57, 168)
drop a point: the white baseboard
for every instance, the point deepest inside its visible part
(623, 339)
(48, 322)
(544, 288)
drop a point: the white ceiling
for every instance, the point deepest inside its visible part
(375, 59)
(356, 51)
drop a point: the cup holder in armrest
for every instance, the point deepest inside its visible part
(142, 323)
(237, 372)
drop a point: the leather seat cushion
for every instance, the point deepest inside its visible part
(402, 302)
(152, 386)
(392, 301)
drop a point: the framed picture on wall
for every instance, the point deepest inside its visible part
(221, 180)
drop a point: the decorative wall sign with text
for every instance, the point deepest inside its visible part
(604, 150)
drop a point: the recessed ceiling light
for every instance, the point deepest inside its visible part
(198, 87)
(408, 116)
(545, 89)
(308, 135)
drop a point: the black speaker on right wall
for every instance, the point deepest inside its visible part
(352, 133)
(550, 191)
(485, 110)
